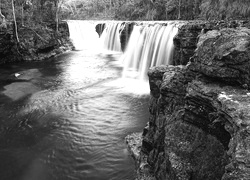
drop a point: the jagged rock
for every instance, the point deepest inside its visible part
(236, 103)
(175, 141)
(99, 28)
(134, 142)
(202, 109)
(224, 55)
(199, 114)
(187, 37)
(155, 80)
(230, 118)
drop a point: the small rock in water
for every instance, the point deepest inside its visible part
(134, 142)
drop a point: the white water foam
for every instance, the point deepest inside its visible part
(83, 34)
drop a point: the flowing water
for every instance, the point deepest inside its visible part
(111, 37)
(149, 46)
(66, 118)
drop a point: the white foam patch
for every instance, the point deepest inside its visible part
(133, 86)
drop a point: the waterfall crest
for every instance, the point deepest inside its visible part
(148, 46)
(83, 34)
(110, 37)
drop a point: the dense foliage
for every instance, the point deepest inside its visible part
(156, 9)
(36, 12)
(34, 25)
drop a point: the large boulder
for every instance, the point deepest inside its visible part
(182, 142)
(225, 56)
(187, 37)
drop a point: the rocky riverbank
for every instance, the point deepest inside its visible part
(199, 113)
(35, 43)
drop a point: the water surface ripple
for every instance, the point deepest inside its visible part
(67, 119)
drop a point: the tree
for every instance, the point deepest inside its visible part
(3, 21)
(179, 10)
(14, 19)
(235, 8)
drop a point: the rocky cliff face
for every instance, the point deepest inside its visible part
(199, 113)
(186, 39)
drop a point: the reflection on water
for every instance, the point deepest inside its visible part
(73, 125)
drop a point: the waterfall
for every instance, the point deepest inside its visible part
(83, 34)
(110, 37)
(148, 46)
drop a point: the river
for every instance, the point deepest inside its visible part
(66, 118)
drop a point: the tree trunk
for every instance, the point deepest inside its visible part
(14, 18)
(179, 13)
(2, 16)
(58, 9)
(3, 23)
(56, 15)
(57, 21)
(22, 16)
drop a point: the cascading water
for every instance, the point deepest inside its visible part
(148, 46)
(111, 37)
(83, 34)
